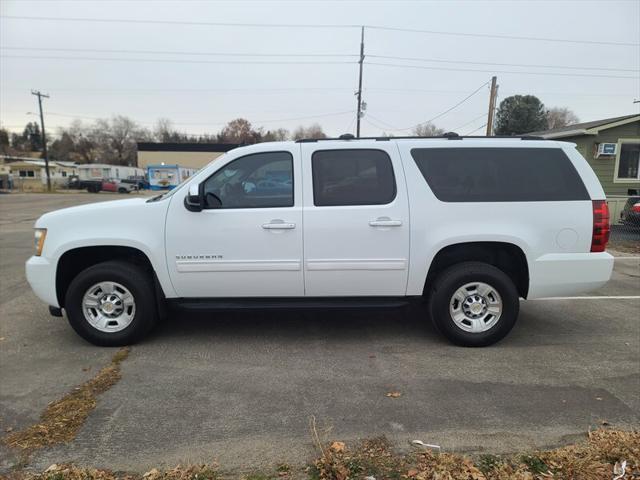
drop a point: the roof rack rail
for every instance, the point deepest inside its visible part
(447, 135)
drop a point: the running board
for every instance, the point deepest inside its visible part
(207, 304)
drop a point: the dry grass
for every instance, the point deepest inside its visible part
(593, 459)
(62, 419)
(625, 246)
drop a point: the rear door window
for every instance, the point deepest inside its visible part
(499, 174)
(352, 177)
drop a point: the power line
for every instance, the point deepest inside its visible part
(179, 22)
(295, 90)
(307, 117)
(474, 131)
(482, 115)
(447, 110)
(154, 60)
(421, 67)
(306, 55)
(225, 91)
(526, 65)
(319, 26)
(250, 62)
(179, 52)
(505, 37)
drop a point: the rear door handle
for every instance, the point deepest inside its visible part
(385, 222)
(278, 225)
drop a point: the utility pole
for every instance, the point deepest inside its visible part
(359, 113)
(44, 137)
(492, 105)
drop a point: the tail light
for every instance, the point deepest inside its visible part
(636, 208)
(601, 228)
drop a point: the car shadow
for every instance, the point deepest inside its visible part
(310, 324)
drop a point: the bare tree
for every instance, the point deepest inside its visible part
(5, 146)
(163, 130)
(558, 117)
(427, 130)
(312, 131)
(239, 131)
(116, 139)
(277, 135)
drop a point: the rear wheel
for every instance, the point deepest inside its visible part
(474, 304)
(111, 304)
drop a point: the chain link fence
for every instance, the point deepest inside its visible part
(624, 213)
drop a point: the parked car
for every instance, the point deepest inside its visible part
(140, 183)
(630, 214)
(462, 227)
(120, 186)
(91, 186)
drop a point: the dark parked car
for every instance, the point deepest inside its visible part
(630, 214)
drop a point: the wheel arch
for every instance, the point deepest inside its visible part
(508, 257)
(75, 260)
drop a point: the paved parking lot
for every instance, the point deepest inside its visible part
(240, 388)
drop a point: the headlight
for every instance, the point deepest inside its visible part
(40, 235)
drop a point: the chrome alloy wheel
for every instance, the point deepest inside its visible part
(475, 307)
(108, 307)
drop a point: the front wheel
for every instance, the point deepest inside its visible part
(111, 304)
(474, 304)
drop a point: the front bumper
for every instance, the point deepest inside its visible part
(41, 275)
(563, 274)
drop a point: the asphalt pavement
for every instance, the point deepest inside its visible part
(241, 388)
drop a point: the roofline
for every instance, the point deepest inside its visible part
(446, 136)
(185, 147)
(588, 131)
(96, 165)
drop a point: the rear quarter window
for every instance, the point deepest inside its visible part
(499, 174)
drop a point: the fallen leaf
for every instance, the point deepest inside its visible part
(1, 338)
(412, 472)
(52, 468)
(604, 423)
(599, 398)
(8, 429)
(342, 473)
(337, 447)
(393, 394)
(151, 474)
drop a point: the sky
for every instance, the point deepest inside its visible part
(191, 61)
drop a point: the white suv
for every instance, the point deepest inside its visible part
(465, 226)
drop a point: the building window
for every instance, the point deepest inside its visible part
(63, 173)
(628, 161)
(31, 173)
(22, 173)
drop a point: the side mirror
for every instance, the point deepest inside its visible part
(194, 200)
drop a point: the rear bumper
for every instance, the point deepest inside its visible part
(41, 275)
(562, 274)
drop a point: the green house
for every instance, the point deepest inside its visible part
(612, 148)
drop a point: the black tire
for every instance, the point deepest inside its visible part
(136, 280)
(453, 278)
(123, 190)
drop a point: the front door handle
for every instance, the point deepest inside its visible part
(385, 222)
(278, 225)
